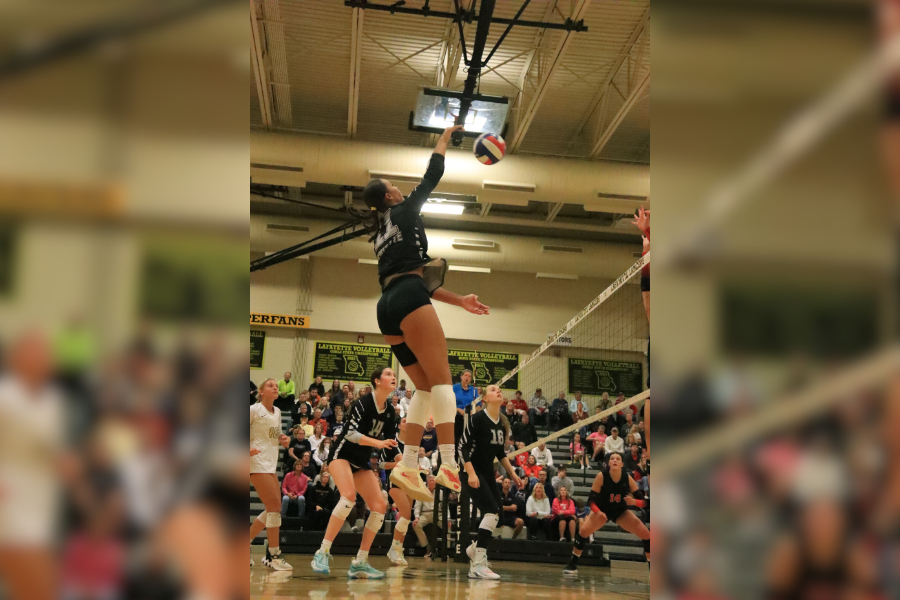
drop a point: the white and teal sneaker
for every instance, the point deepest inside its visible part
(481, 570)
(320, 562)
(363, 570)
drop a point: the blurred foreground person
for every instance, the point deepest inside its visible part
(31, 464)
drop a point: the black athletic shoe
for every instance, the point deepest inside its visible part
(571, 568)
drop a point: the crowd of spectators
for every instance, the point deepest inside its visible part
(547, 506)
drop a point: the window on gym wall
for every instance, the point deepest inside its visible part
(198, 279)
(8, 236)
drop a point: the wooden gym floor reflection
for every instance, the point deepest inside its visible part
(435, 580)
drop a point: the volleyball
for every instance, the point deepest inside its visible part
(489, 148)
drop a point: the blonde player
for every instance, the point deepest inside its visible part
(265, 438)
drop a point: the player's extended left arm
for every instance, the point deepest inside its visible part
(469, 303)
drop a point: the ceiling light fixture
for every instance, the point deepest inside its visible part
(438, 109)
(441, 208)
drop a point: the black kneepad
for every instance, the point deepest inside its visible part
(580, 542)
(404, 354)
(647, 546)
(645, 284)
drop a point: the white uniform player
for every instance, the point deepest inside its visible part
(31, 438)
(265, 429)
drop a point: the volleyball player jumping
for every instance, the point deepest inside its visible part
(410, 279)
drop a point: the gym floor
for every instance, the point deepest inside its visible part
(435, 580)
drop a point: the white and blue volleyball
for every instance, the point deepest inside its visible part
(489, 148)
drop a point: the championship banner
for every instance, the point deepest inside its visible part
(349, 362)
(487, 367)
(257, 348)
(293, 321)
(593, 377)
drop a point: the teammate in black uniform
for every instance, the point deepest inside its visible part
(389, 459)
(410, 279)
(484, 440)
(612, 493)
(371, 425)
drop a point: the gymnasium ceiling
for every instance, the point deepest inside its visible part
(595, 103)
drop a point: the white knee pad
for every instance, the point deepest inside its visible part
(419, 408)
(273, 519)
(402, 525)
(261, 517)
(490, 521)
(375, 521)
(343, 508)
(443, 404)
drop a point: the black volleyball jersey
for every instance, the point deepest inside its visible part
(365, 420)
(401, 245)
(612, 494)
(483, 441)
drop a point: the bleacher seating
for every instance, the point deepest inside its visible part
(613, 542)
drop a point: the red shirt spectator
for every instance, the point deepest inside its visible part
(294, 484)
(531, 468)
(564, 507)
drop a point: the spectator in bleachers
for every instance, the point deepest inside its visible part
(286, 393)
(317, 419)
(336, 394)
(519, 404)
(317, 436)
(352, 387)
(304, 424)
(614, 443)
(539, 512)
(324, 498)
(620, 415)
(544, 480)
(404, 402)
(317, 386)
(299, 445)
(400, 392)
(560, 416)
(318, 478)
(562, 479)
(510, 445)
(301, 407)
(577, 452)
(424, 514)
(532, 470)
(321, 453)
(605, 402)
(380, 473)
(308, 466)
(573, 403)
(524, 431)
(293, 490)
(582, 511)
(596, 444)
(538, 407)
(313, 400)
(643, 469)
(580, 414)
(510, 411)
(511, 513)
(632, 460)
(521, 459)
(338, 417)
(429, 439)
(625, 429)
(632, 439)
(640, 429)
(564, 514)
(544, 457)
(424, 463)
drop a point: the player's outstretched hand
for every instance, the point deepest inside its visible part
(471, 304)
(473, 482)
(255, 451)
(387, 444)
(518, 481)
(284, 440)
(642, 220)
(629, 500)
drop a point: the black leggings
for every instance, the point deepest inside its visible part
(536, 524)
(486, 498)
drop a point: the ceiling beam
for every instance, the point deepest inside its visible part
(639, 30)
(524, 120)
(554, 210)
(355, 64)
(636, 93)
(263, 89)
(485, 210)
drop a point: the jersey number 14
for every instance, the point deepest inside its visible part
(376, 429)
